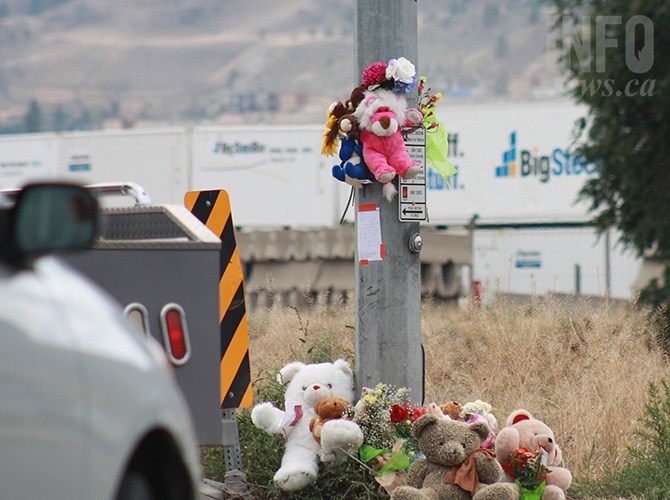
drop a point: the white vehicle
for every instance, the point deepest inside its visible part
(90, 409)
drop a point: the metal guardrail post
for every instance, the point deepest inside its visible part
(231, 440)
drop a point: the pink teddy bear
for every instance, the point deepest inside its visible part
(381, 115)
(525, 431)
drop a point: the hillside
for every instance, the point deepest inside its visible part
(222, 61)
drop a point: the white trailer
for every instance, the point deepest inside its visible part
(276, 176)
(516, 165)
(559, 260)
(518, 180)
(157, 159)
(24, 158)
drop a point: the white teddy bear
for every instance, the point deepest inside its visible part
(306, 384)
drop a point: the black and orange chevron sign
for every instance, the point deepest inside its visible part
(212, 208)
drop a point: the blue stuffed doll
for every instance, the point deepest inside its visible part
(352, 169)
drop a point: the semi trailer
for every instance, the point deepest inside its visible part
(510, 220)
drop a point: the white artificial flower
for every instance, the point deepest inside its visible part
(482, 408)
(400, 70)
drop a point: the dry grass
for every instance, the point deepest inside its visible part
(584, 371)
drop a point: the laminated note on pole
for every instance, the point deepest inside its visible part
(368, 227)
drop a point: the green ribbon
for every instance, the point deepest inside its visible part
(367, 452)
(437, 148)
(398, 461)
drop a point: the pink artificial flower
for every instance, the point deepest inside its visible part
(374, 74)
(488, 442)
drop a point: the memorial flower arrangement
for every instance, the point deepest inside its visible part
(427, 103)
(398, 75)
(481, 411)
(529, 471)
(385, 415)
(482, 408)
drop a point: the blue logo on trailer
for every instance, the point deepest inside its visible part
(518, 162)
(79, 163)
(528, 259)
(508, 167)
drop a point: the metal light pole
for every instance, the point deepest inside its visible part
(388, 291)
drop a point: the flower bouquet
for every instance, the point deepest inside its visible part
(385, 416)
(529, 471)
(481, 411)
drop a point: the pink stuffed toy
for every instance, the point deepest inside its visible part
(381, 115)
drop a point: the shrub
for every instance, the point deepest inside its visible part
(648, 476)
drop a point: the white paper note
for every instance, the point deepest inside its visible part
(369, 233)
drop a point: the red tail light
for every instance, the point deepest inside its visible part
(175, 334)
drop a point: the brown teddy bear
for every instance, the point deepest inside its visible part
(340, 119)
(327, 409)
(452, 409)
(455, 466)
(522, 430)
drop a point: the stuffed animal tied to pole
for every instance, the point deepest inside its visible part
(381, 116)
(368, 127)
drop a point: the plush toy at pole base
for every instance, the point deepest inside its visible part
(476, 411)
(451, 409)
(326, 410)
(307, 385)
(455, 466)
(522, 430)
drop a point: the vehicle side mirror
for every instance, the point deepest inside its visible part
(52, 217)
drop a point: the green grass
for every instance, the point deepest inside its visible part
(261, 454)
(648, 476)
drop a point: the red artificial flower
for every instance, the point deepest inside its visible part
(522, 459)
(417, 413)
(374, 74)
(517, 459)
(399, 414)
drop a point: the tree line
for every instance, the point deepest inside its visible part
(37, 118)
(608, 49)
